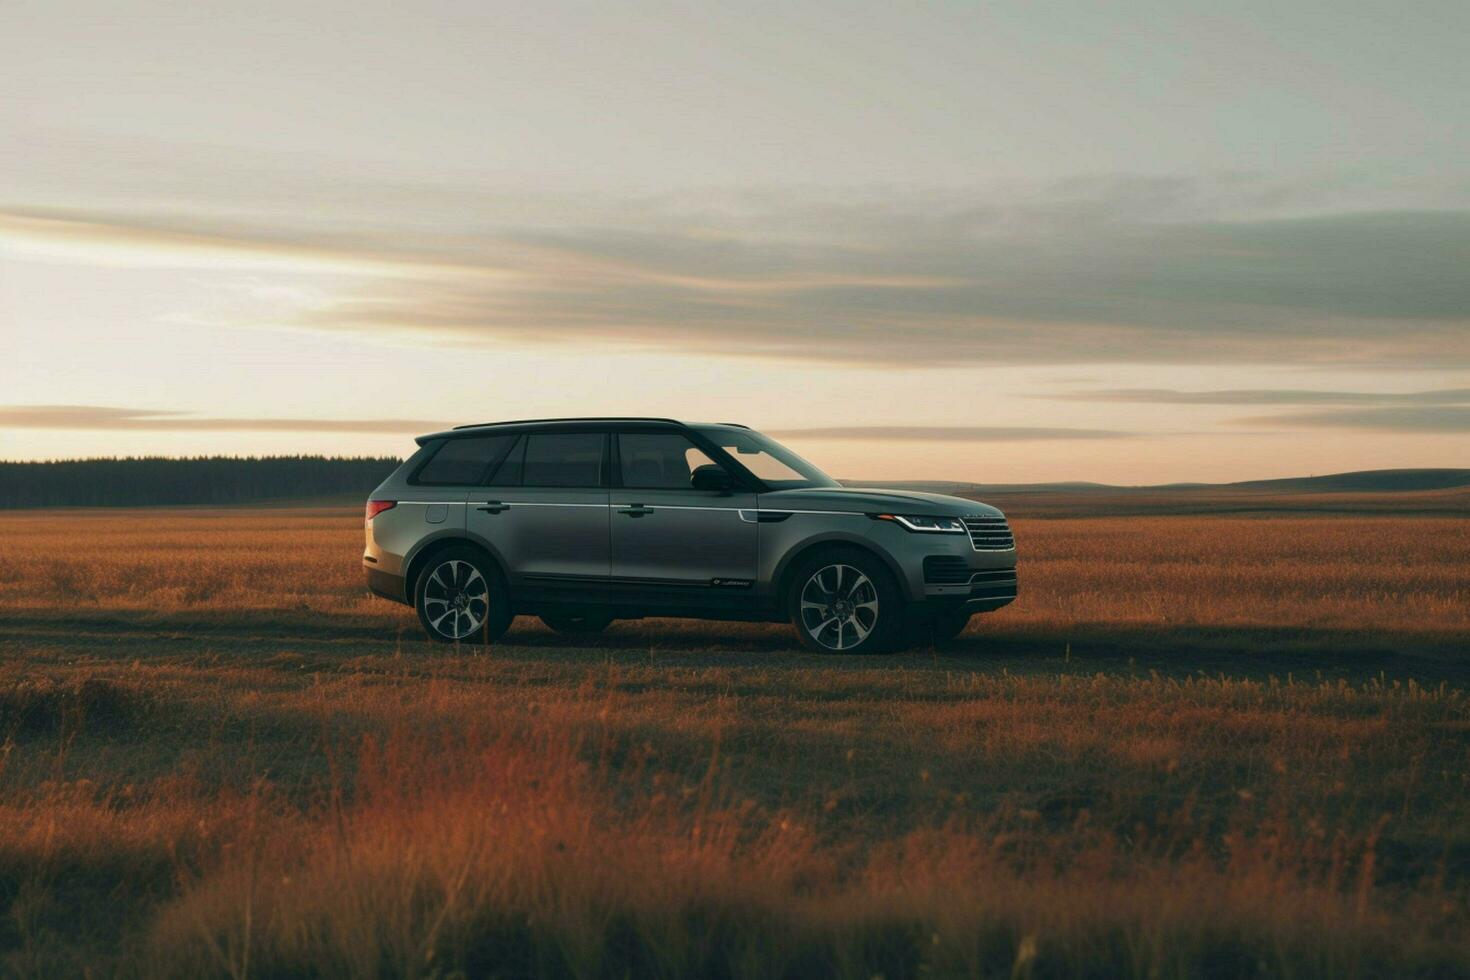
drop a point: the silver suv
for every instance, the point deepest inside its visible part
(584, 521)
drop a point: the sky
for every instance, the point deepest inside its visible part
(1136, 243)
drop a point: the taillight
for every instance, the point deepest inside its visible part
(376, 507)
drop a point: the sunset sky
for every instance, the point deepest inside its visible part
(1133, 243)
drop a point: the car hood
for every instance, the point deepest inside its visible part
(869, 499)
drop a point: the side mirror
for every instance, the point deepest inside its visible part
(712, 477)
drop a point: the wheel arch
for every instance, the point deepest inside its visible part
(792, 561)
(435, 546)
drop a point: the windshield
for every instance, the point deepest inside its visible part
(772, 463)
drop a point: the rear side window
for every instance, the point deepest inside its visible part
(463, 462)
(563, 459)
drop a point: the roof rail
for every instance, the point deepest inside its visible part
(738, 425)
(580, 418)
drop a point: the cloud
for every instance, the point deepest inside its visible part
(1269, 396)
(1430, 411)
(1088, 271)
(100, 417)
(106, 418)
(946, 433)
(1427, 419)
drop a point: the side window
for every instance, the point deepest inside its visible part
(564, 459)
(508, 473)
(658, 460)
(462, 462)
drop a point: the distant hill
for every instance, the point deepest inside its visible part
(1367, 481)
(150, 481)
(1363, 481)
(1384, 492)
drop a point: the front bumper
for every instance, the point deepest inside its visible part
(990, 604)
(987, 600)
(954, 580)
(943, 568)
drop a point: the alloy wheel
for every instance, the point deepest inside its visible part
(456, 599)
(839, 607)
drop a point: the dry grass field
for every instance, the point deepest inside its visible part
(1196, 746)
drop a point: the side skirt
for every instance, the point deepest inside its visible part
(731, 599)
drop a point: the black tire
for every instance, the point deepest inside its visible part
(941, 627)
(873, 603)
(483, 613)
(584, 625)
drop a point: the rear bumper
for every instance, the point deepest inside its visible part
(387, 585)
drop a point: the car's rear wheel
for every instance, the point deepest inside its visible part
(845, 601)
(461, 598)
(578, 624)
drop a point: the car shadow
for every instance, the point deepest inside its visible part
(1175, 651)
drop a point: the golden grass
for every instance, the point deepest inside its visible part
(1378, 573)
(220, 759)
(1354, 573)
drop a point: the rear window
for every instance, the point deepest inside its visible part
(463, 462)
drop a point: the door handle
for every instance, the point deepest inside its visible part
(493, 507)
(636, 510)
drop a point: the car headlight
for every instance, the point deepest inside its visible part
(923, 522)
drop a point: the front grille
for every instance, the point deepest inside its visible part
(946, 570)
(989, 533)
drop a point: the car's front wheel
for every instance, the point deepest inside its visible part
(845, 601)
(461, 598)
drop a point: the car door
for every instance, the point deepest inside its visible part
(674, 547)
(545, 512)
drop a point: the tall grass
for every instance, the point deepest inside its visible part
(518, 857)
(980, 825)
(272, 800)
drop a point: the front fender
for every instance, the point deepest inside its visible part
(787, 546)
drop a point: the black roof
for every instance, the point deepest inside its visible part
(581, 418)
(649, 421)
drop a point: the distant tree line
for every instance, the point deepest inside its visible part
(146, 481)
